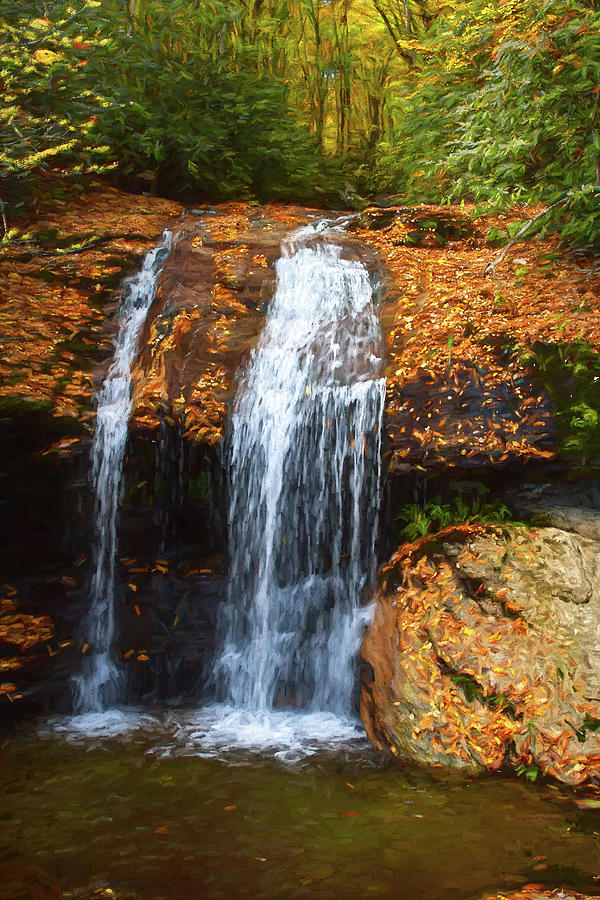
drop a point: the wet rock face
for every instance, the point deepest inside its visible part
(445, 407)
(573, 507)
(210, 308)
(483, 649)
(472, 418)
(209, 311)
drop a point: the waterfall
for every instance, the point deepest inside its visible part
(305, 473)
(99, 684)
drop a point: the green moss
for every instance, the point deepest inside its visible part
(530, 773)
(499, 237)
(14, 407)
(199, 486)
(472, 691)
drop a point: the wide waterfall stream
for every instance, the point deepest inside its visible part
(305, 473)
(304, 468)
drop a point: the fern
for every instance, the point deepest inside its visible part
(422, 520)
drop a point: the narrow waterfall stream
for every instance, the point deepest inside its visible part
(305, 473)
(98, 685)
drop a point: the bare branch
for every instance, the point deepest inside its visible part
(491, 266)
(4, 222)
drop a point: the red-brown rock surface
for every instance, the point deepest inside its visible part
(56, 275)
(455, 397)
(209, 311)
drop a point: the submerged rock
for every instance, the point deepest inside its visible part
(484, 649)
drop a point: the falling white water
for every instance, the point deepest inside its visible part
(305, 474)
(98, 685)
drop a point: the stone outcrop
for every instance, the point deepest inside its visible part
(572, 507)
(57, 287)
(208, 313)
(213, 296)
(461, 391)
(484, 649)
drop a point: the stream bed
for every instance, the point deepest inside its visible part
(132, 816)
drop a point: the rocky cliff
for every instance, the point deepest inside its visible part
(492, 382)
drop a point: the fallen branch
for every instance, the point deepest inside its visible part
(591, 271)
(405, 552)
(585, 272)
(59, 251)
(491, 266)
(69, 251)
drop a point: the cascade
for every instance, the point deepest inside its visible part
(99, 684)
(304, 458)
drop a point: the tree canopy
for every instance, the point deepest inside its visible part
(492, 102)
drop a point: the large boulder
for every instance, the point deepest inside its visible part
(484, 649)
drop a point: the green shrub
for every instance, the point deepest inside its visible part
(570, 373)
(161, 94)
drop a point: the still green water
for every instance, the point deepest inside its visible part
(111, 819)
